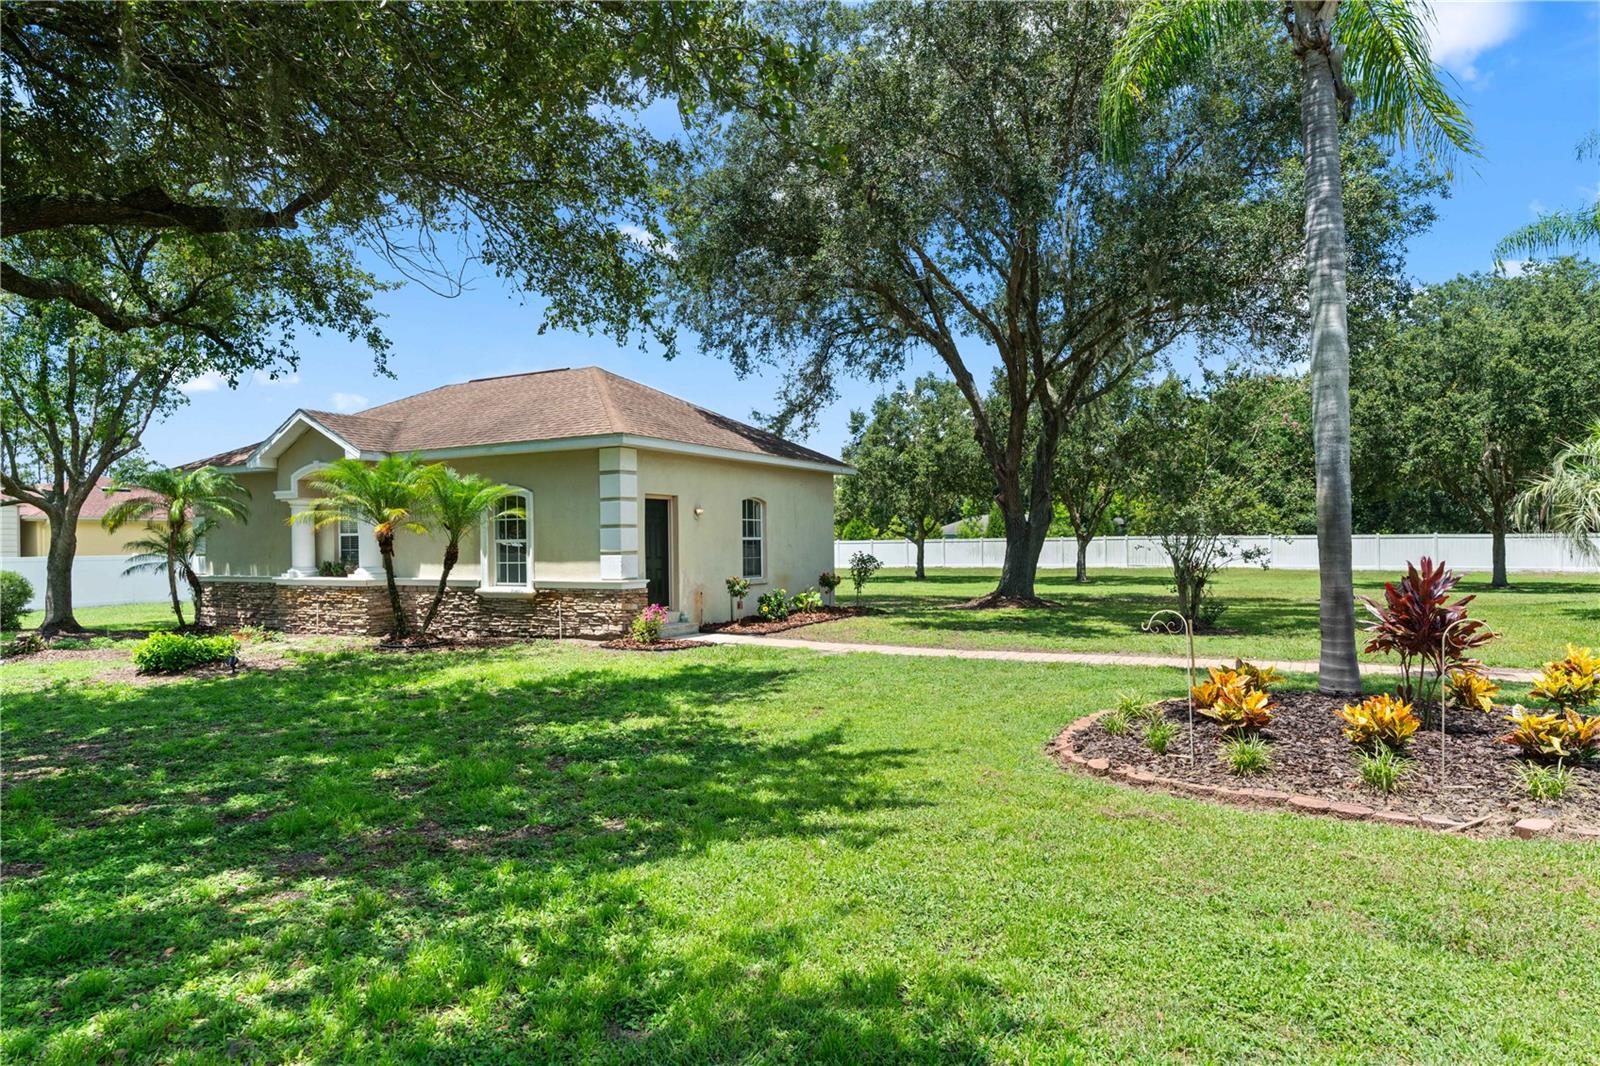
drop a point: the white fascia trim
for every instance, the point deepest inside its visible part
(266, 454)
(629, 440)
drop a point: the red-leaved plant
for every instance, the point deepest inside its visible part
(1413, 620)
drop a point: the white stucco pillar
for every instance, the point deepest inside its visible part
(302, 542)
(368, 562)
(619, 514)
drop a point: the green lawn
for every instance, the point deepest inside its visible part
(1272, 613)
(734, 855)
(131, 616)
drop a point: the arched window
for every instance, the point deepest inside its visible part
(753, 538)
(508, 542)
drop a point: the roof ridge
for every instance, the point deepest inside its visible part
(603, 386)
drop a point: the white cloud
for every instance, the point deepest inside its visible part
(1463, 31)
(210, 381)
(649, 240)
(345, 402)
(282, 381)
(1512, 267)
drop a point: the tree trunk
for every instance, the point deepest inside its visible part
(922, 570)
(1082, 576)
(196, 589)
(1326, 256)
(1499, 580)
(172, 589)
(1028, 522)
(386, 549)
(452, 552)
(58, 577)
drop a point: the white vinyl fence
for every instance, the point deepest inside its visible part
(97, 581)
(1372, 551)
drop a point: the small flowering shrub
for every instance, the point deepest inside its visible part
(827, 581)
(862, 566)
(1386, 720)
(646, 628)
(773, 606)
(1562, 735)
(1470, 691)
(738, 588)
(1572, 683)
(171, 653)
(809, 600)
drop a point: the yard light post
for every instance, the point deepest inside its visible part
(1152, 626)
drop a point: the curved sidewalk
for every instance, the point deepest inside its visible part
(1086, 658)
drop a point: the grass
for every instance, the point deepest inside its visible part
(131, 616)
(731, 855)
(1271, 614)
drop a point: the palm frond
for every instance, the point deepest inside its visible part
(1552, 232)
(1566, 500)
(1164, 43)
(1386, 63)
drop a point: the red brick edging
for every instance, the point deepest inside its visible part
(1062, 750)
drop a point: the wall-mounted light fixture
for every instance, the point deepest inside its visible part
(698, 510)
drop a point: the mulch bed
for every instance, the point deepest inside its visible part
(1312, 757)
(627, 644)
(755, 625)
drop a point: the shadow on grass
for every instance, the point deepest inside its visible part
(375, 844)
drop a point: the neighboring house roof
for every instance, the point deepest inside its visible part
(542, 406)
(94, 508)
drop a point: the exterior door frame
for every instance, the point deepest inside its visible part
(672, 546)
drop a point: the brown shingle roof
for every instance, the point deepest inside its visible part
(546, 405)
(94, 508)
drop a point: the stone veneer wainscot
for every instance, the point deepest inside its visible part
(361, 608)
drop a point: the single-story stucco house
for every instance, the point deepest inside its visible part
(631, 496)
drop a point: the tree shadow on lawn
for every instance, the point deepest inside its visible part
(422, 838)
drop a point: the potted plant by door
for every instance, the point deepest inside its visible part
(738, 589)
(827, 581)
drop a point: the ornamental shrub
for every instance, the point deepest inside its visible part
(1386, 720)
(1471, 691)
(15, 592)
(171, 653)
(1571, 683)
(773, 606)
(862, 566)
(1564, 735)
(646, 628)
(809, 600)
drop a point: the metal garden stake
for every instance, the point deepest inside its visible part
(1152, 626)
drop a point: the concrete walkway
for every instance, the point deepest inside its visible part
(1087, 658)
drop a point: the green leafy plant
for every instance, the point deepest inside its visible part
(256, 634)
(809, 600)
(773, 606)
(1560, 735)
(15, 592)
(69, 644)
(1471, 691)
(1115, 722)
(1545, 782)
(1158, 736)
(1382, 769)
(1571, 683)
(646, 628)
(862, 566)
(1418, 622)
(1385, 720)
(1247, 755)
(171, 653)
(332, 568)
(828, 580)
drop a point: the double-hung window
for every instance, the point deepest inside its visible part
(753, 538)
(349, 543)
(508, 541)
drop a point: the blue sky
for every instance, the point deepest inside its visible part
(1528, 72)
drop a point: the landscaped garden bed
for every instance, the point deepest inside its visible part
(1311, 757)
(754, 625)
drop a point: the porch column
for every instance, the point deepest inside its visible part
(368, 562)
(619, 514)
(302, 542)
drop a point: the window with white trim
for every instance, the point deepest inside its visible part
(753, 538)
(349, 543)
(509, 542)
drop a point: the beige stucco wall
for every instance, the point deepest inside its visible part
(566, 521)
(799, 526)
(34, 537)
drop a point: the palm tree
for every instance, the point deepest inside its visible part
(1575, 227)
(1567, 499)
(180, 507)
(387, 494)
(1374, 50)
(454, 505)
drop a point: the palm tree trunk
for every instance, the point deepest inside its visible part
(58, 577)
(172, 587)
(1326, 258)
(452, 552)
(386, 550)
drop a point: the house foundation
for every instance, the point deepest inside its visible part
(356, 607)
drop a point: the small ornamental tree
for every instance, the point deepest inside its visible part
(862, 566)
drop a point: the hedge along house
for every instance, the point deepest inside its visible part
(628, 496)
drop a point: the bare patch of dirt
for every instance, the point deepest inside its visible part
(629, 644)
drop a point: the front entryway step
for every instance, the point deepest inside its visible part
(679, 630)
